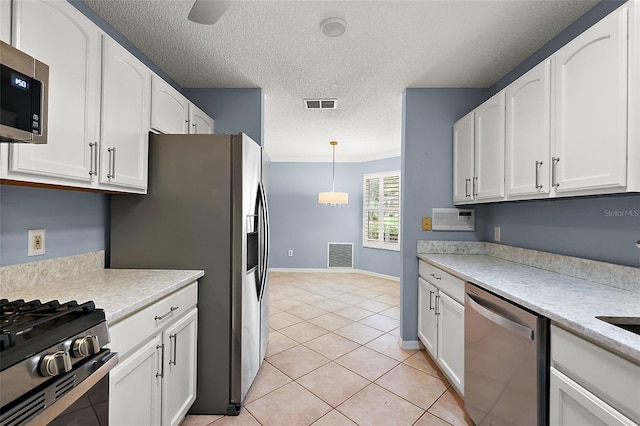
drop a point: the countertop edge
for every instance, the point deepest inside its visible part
(115, 317)
(611, 344)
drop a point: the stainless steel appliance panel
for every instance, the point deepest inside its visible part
(245, 352)
(506, 361)
(24, 97)
(201, 211)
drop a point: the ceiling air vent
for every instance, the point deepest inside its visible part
(320, 103)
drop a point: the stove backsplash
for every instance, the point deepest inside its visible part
(27, 275)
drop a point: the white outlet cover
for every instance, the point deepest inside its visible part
(31, 250)
(496, 233)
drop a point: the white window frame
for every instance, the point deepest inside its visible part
(380, 244)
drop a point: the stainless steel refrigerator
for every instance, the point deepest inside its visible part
(206, 208)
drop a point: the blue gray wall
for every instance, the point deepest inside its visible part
(599, 228)
(427, 178)
(234, 110)
(75, 222)
(300, 224)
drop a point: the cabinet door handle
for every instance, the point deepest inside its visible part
(175, 348)
(466, 188)
(437, 304)
(554, 166)
(436, 277)
(430, 304)
(171, 309)
(475, 186)
(538, 184)
(161, 373)
(195, 127)
(93, 161)
(112, 163)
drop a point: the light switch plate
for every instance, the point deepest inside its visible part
(426, 224)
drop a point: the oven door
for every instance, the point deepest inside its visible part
(87, 404)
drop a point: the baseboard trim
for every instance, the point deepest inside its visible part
(410, 344)
(336, 271)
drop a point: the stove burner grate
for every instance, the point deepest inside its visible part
(21, 321)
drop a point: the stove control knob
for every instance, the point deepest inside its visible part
(55, 363)
(85, 346)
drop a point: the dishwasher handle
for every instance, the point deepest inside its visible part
(476, 304)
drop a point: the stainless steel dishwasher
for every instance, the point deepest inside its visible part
(506, 361)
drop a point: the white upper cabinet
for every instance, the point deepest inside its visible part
(55, 33)
(172, 113)
(169, 108)
(5, 21)
(528, 116)
(463, 159)
(126, 98)
(489, 150)
(199, 122)
(590, 88)
(478, 153)
(570, 127)
(633, 135)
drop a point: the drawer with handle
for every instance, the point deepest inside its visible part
(135, 329)
(446, 282)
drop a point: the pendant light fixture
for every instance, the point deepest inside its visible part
(334, 198)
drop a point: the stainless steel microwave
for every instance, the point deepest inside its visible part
(24, 86)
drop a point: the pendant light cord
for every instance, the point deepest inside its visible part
(333, 176)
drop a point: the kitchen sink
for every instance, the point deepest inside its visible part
(631, 324)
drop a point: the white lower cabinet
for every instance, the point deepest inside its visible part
(427, 320)
(155, 381)
(589, 385)
(179, 382)
(134, 387)
(571, 404)
(441, 321)
(451, 339)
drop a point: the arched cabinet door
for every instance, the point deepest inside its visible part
(590, 87)
(126, 95)
(57, 34)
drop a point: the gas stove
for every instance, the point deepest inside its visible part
(46, 350)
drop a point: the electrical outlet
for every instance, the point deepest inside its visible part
(290, 253)
(36, 242)
(496, 233)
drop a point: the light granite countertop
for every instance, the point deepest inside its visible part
(571, 302)
(120, 292)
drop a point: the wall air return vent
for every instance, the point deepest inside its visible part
(320, 103)
(340, 255)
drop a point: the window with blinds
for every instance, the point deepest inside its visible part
(381, 210)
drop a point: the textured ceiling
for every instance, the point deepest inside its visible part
(388, 46)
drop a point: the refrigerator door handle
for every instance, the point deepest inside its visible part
(265, 237)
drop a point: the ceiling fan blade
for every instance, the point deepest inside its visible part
(208, 11)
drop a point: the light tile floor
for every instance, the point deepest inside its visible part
(333, 359)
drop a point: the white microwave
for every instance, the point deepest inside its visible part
(23, 97)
